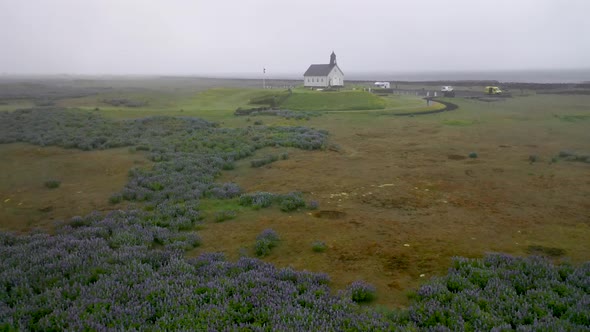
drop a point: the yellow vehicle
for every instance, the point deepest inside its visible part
(493, 90)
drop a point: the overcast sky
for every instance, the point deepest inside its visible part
(192, 37)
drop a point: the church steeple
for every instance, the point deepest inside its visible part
(333, 59)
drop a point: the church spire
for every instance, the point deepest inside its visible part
(333, 59)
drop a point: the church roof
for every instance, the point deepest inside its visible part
(319, 70)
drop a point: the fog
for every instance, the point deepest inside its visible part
(188, 37)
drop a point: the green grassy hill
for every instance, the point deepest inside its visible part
(333, 101)
(219, 104)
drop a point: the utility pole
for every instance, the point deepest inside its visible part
(263, 77)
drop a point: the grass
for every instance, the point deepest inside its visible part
(380, 149)
(410, 153)
(574, 118)
(333, 101)
(218, 104)
(218, 209)
(215, 104)
(11, 105)
(88, 179)
(222, 99)
(459, 123)
(224, 215)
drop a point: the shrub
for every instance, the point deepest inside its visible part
(263, 247)
(291, 202)
(78, 221)
(124, 102)
(116, 198)
(257, 200)
(52, 184)
(572, 156)
(501, 290)
(264, 161)
(224, 191)
(269, 234)
(228, 165)
(287, 202)
(186, 240)
(473, 155)
(313, 205)
(318, 246)
(265, 241)
(361, 291)
(566, 154)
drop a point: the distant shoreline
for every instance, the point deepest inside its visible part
(551, 76)
(556, 76)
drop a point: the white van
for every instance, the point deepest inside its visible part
(382, 85)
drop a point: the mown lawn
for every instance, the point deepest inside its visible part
(333, 101)
(219, 104)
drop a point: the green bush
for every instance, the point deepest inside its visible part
(262, 247)
(361, 291)
(319, 246)
(265, 241)
(52, 184)
(116, 198)
(291, 202)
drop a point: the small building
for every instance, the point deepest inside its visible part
(382, 85)
(324, 76)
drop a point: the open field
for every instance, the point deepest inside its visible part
(409, 180)
(88, 179)
(399, 196)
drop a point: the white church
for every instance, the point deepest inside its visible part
(324, 76)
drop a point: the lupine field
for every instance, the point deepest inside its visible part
(126, 270)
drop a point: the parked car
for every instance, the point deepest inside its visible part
(448, 91)
(492, 90)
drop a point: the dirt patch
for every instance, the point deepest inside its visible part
(327, 214)
(385, 201)
(401, 262)
(456, 157)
